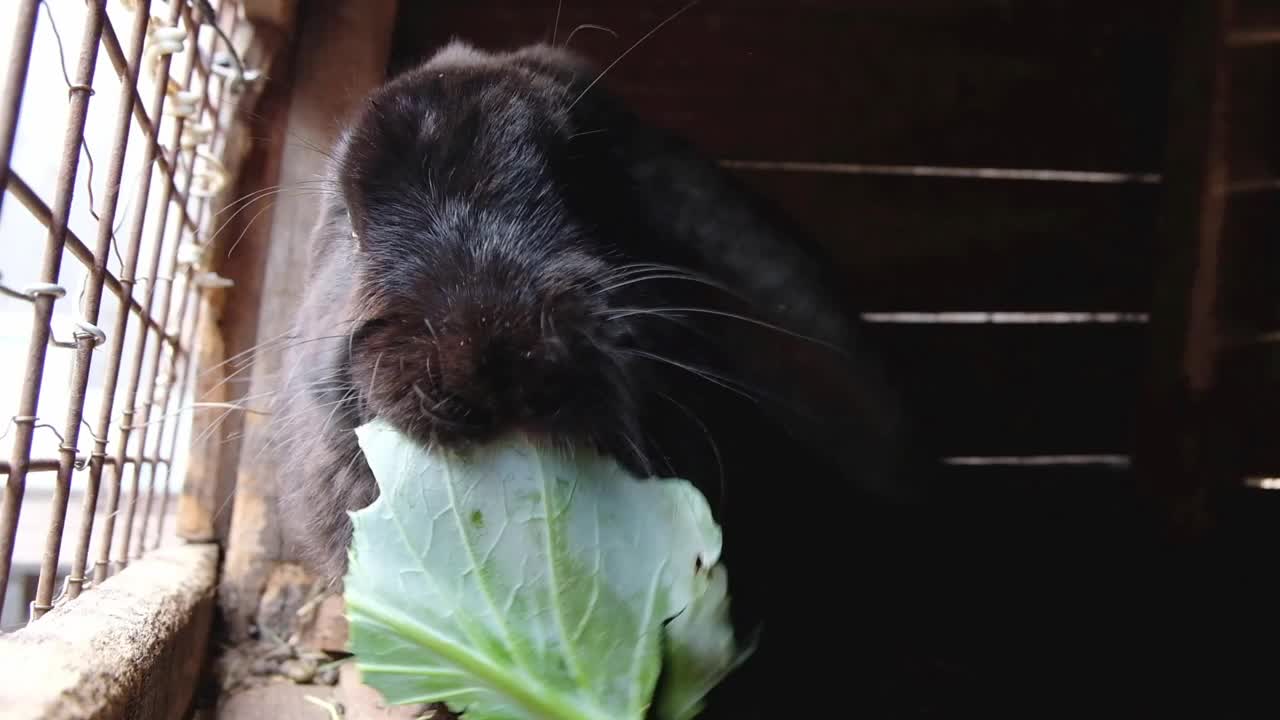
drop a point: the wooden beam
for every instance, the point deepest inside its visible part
(204, 507)
(1174, 460)
(133, 647)
(340, 54)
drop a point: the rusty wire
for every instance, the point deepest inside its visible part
(164, 301)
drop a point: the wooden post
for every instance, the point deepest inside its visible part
(340, 54)
(1174, 458)
(204, 507)
(134, 647)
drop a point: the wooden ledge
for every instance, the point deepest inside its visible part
(133, 647)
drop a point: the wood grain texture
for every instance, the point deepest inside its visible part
(132, 648)
(223, 326)
(911, 243)
(1210, 383)
(203, 490)
(1175, 458)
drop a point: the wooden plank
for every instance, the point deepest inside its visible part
(1041, 84)
(1249, 310)
(1175, 458)
(133, 647)
(1047, 507)
(204, 506)
(1250, 302)
(1018, 390)
(1251, 399)
(1212, 390)
(923, 243)
(1253, 145)
(1256, 15)
(341, 53)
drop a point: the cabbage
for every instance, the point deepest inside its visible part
(520, 582)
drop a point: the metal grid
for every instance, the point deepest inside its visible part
(178, 74)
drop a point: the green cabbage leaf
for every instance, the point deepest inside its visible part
(517, 582)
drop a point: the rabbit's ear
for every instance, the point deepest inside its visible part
(837, 404)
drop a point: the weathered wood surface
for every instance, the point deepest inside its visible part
(132, 648)
(930, 243)
(988, 83)
(1208, 422)
(204, 509)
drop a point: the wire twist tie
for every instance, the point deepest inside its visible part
(185, 103)
(85, 328)
(193, 135)
(167, 39)
(192, 253)
(227, 70)
(36, 289)
(212, 179)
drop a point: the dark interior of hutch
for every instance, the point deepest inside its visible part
(1145, 575)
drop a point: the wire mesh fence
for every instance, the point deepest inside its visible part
(112, 121)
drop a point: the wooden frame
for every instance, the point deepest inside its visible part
(339, 53)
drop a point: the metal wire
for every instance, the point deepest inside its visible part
(177, 359)
(15, 82)
(190, 110)
(156, 107)
(149, 396)
(15, 486)
(90, 309)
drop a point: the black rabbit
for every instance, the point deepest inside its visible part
(511, 248)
